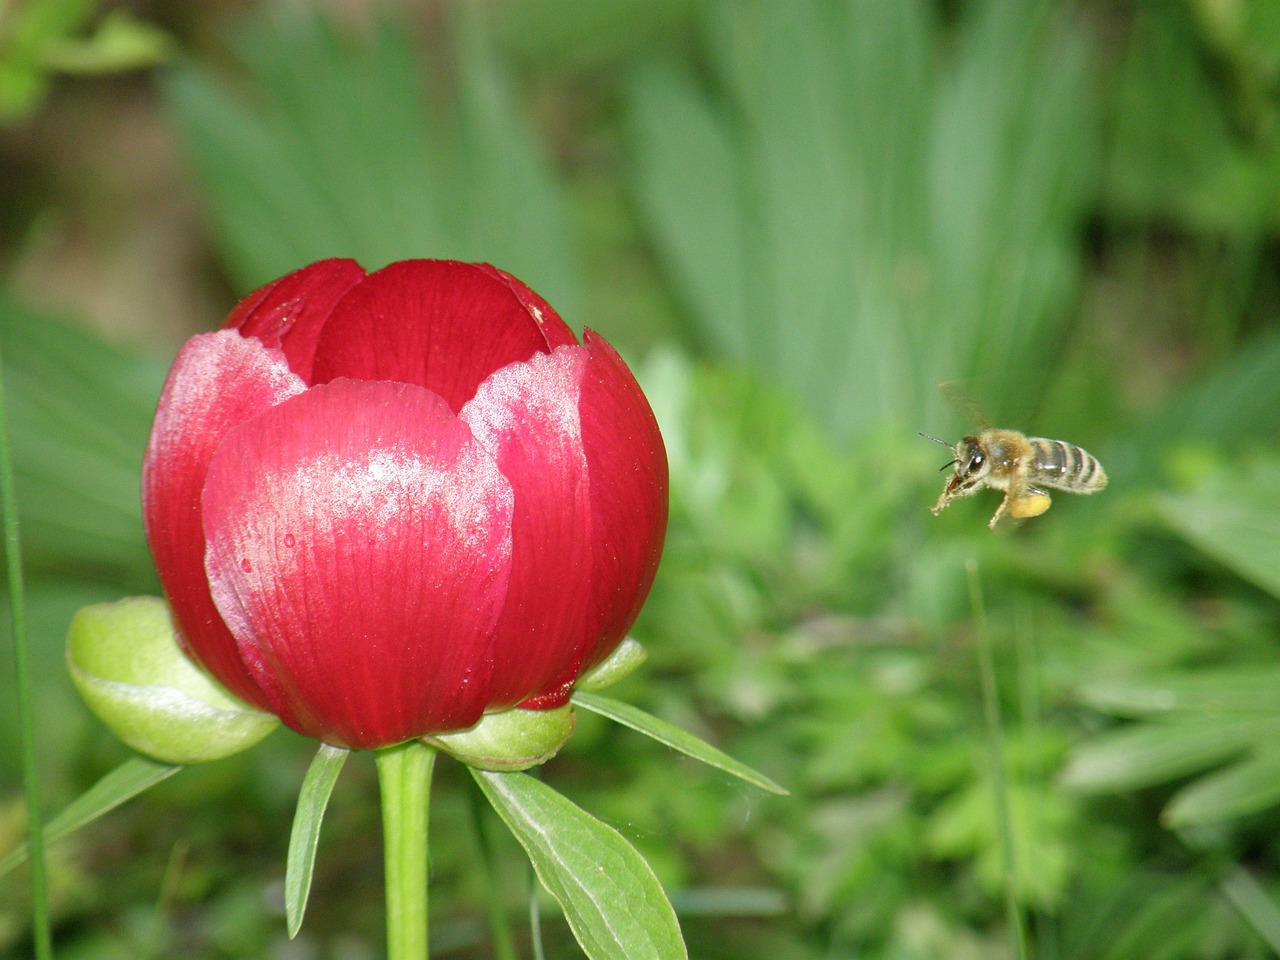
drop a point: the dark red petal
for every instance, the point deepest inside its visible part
(627, 466)
(441, 324)
(359, 550)
(218, 381)
(554, 330)
(526, 416)
(290, 312)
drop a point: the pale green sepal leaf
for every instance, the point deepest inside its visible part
(675, 738)
(610, 896)
(120, 785)
(125, 660)
(509, 740)
(1249, 786)
(629, 655)
(313, 799)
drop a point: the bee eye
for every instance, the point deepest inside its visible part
(975, 461)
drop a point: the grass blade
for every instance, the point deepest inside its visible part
(18, 620)
(999, 776)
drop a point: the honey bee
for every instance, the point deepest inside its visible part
(1020, 466)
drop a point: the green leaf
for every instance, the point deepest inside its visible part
(1246, 787)
(1231, 407)
(121, 42)
(578, 35)
(123, 783)
(313, 799)
(674, 737)
(610, 896)
(1234, 516)
(304, 167)
(1152, 753)
(81, 410)
(1255, 904)
(1228, 692)
(861, 205)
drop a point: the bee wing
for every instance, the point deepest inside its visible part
(954, 394)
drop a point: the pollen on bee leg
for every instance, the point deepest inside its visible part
(1031, 505)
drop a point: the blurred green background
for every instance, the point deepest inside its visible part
(796, 218)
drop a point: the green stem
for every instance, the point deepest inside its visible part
(404, 778)
(22, 671)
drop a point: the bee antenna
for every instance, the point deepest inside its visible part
(955, 459)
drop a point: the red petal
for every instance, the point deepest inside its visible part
(555, 330)
(291, 312)
(526, 416)
(440, 324)
(627, 465)
(359, 549)
(218, 381)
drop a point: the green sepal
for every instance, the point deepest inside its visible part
(629, 655)
(313, 800)
(511, 740)
(675, 738)
(125, 660)
(118, 787)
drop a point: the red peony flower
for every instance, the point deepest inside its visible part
(382, 505)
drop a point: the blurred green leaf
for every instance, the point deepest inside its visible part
(40, 37)
(573, 34)
(609, 895)
(860, 223)
(1041, 822)
(1232, 407)
(1235, 693)
(336, 149)
(1178, 148)
(1148, 913)
(81, 413)
(1151, 753)
(121, 42)
(1245, 787)
(1233, 515)
(1197, 720)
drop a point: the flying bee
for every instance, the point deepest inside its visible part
(1021, 466)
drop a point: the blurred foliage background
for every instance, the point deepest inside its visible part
(796, 218)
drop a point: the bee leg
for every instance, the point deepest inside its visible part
(941, 505)
(1000, 510)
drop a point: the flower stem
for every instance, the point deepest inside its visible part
(404, 778)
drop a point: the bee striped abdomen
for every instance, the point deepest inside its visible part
(1066, 466)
